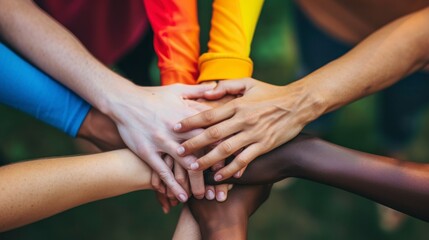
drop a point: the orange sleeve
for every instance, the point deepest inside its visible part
(176, 39)
(232, 27)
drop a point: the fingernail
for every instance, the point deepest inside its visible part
(194, 166)
(177, 127)
(237, 174)
(180, 150)
(210, 195)
(182, 197)
(217, 177)
(220, 196)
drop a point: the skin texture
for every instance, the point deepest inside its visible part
(101, 131)
(268, 116)
(33, 190)
(228, 220)
(398, 184)
(133, 109)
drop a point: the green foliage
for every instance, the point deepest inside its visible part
(305, 210)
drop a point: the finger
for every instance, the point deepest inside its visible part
(196, 179)
(221, 192)
(182, 177)
(206, 118)
(163, 201)
(223, 150)
(169, 194)
(169, 161)
(173, 202)
(166, 175)
(229, 87)
(197, 106)
(210, 192)
(218, 165)
(190, 134)
(211, 135)
(188, 161)
(240, 173)
(194, 91)
(156, 183)
(240, 161)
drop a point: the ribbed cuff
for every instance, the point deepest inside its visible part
(217, 66)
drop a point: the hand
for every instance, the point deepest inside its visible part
(164, 195)
(228, 220)
(145, 117)
(218, 192)
(101, 131)
(287, 160)
(265, 117)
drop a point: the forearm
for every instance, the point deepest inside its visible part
(26, 88)
(232, 28)
(176, 40)
(379, 61)
(57, 52)
(398, 184)
(37, 189)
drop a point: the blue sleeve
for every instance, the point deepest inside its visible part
(26, 88)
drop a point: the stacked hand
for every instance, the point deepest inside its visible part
(265, 117)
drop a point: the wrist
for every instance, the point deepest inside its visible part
(237, 231)
(134, 171)
(309, 102)
(101, 131)
(114, 95)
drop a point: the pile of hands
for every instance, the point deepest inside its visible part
(180, 131)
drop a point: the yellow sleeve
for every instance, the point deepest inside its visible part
(232, 27)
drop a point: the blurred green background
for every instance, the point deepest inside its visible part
(302, 210)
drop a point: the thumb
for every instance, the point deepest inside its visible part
(199, 107)
(226, 87)
(194, 91)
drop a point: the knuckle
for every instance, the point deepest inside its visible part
(249, 118)
(235, 104)
(181, 179)
(226, 148)
(204, 162)
(189, 145)
(158, 137)
(208, 116)
(164, 176)
(241, 162)
(142, 150)
(213, 133)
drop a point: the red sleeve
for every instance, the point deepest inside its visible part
(176, 40)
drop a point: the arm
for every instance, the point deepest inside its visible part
(133, 109)
(398, 184)
(274, 115)
(37, 189)
(176, 39)
(26, 88)
(232, 27)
